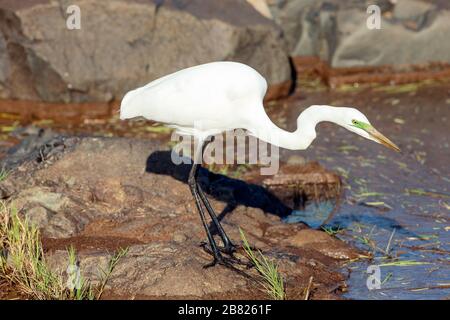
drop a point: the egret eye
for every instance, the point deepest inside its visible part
(354, 122)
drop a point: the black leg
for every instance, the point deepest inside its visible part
(200, 197)
(193, 186)
(229, 247)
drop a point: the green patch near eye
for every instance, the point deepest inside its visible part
(361, 125)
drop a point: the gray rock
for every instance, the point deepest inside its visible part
(39, 216)
(33, 142)
(411, 9)
(91, 265)
(64, 225)
(125, 44)
(393, 45)
(336, 31)
(41, 196)
(297, 22)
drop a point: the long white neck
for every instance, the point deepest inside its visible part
(301, 138)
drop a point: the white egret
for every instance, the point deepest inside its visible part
(212, 98)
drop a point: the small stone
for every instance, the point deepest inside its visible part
(411, 9)
(179, 237)
(39, 216)
(40, 195)
(70, 181)
(296, 160)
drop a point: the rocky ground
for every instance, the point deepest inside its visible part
(101, 194)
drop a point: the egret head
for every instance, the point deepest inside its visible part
(355, 121)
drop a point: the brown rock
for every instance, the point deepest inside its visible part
(126, 194)
(321, 242)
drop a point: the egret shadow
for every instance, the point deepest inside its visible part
(236, 192)
(233, 192)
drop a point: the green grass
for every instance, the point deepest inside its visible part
(22, 263)
(388, 249)
(271, 279)
(403, 263)
(3, 174)
(332, 231)
(368, 194)
(348, 88)
(85, 291)
(421, 192)
(158, 129)
(399, 88)
(377, 204)
(387, 278)
(107, 273)
(25, 265)
(367, 239)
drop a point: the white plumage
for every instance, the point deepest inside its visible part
(215, 97)
(212, 98)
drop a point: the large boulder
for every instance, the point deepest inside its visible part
(124, 44)
(101, 194)
(337, 32)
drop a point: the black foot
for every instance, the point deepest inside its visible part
(228, 261)
(229, 249)
(213, 263)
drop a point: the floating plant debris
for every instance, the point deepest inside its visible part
(296, 184)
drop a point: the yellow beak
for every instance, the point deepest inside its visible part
(379, 137)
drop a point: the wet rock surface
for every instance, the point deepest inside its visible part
(101, 194)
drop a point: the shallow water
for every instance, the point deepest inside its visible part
(421, 237)
(386, 191)
(420, 242)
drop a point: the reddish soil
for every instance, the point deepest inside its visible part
(334, 77)
(87, 243)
